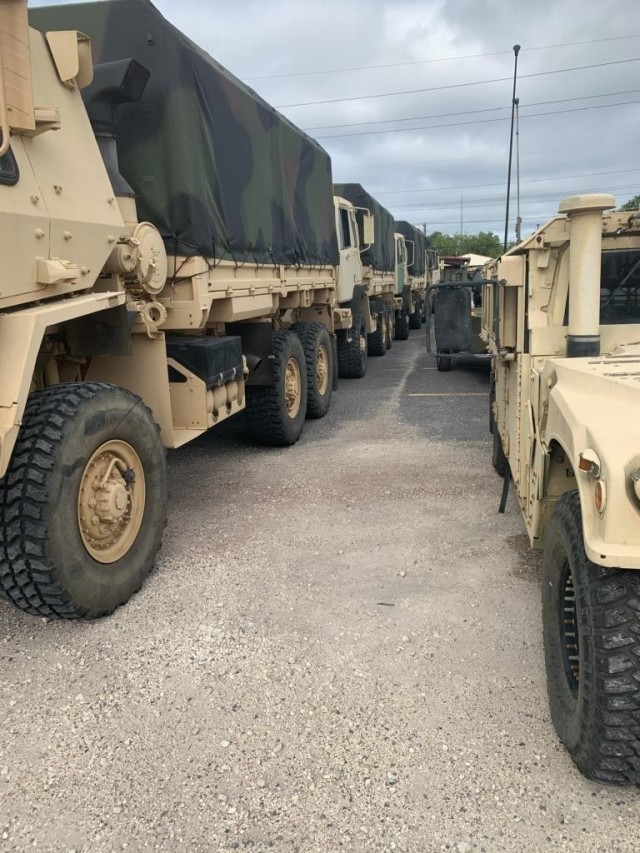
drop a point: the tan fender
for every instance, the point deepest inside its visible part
(21, 334)
(593, 406)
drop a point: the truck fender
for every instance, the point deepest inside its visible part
(21, 335)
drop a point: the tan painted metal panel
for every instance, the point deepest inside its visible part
(16, 64)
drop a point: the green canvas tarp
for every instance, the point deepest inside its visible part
(215, 168)
(381, 255)
(420, 246)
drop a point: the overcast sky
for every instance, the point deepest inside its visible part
(439, 155)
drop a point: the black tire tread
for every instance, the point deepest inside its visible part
(415, 319)
(377, 343)
(26, 579)
(351, 364)
(264, 413)
(609, 750)
(309, 333)
(402, 326)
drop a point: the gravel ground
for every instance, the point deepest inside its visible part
(340, 649)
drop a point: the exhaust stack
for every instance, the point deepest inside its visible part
(585, 255)
(114, 83)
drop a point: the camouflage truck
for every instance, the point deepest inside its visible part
(169, 259)
(366, 279)
(415, 284)
(562, 319)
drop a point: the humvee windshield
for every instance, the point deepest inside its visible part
(620, 287)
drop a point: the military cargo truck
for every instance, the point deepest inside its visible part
(562, 320)
(413, 293)
(169, 259)
(366, 279)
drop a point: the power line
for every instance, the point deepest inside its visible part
(559, 194)
(495, 200)
(469, 112)
(474, 121)
(456, 85)
(500, 156)
(430, 61)
(499, 184)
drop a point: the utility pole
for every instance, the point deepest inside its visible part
(461, 213)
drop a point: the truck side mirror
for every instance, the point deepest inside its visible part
(71, 52)
(411, 245)
(368, 234)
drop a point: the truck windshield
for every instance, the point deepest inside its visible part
(620, 287)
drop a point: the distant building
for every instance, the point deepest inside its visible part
(462, 267)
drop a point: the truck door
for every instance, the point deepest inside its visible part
(350, 272)
(24, 224)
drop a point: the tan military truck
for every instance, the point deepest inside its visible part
(414, 278)
(562, 319)
(169, 259)
(366, 278)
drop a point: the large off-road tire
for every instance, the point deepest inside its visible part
(352, 350)
(83, 503)
(415, 319)
(443, 363)
(591, 621)
(377, 341)
(390, 326)
(275, 413)
(402, 326)
(498, 459)
(318, 354)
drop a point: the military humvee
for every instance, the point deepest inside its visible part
(562, 321)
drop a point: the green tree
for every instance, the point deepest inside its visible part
(484, 243)
(632, 204)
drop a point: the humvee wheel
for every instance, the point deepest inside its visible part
(378, 340)
(415, 319)
(591, 621)
(275, 413)
(498, 459)
(402, 325)
(83, 503)
(352, 350)
(318, 354)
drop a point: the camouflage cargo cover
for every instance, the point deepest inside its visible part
(215, 168)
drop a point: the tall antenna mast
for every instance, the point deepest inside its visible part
(518, 217)
(516, 51)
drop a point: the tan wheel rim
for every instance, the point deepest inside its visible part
(111, 501)
(292, 388)
(363, 342)
(322, 370)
